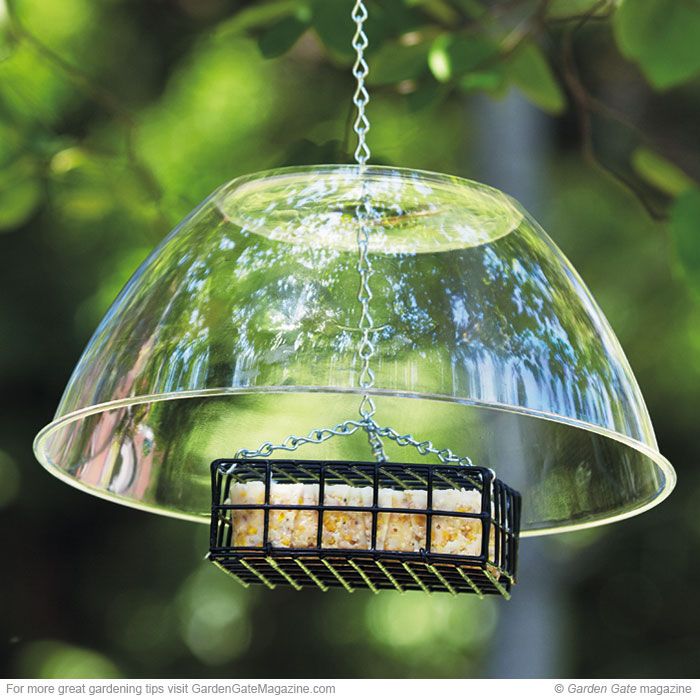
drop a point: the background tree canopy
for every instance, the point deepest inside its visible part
(117, 118)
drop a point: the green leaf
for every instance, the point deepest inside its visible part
(260, 15)
(660, 173)
(331, 20)
(20, 195)
(491, 81)
(440, 10)
(452, 56)
(32, 89)
(281, 36)
(10, 144)
(472, 8)
(561, 9)
(393, 19)
(8, 41)
(305, 152)
(662, 37)
(685, 231)
(529, 70)
(394, 62)
(428, 94)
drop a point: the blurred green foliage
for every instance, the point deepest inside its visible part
(117, 118)
(660, 34)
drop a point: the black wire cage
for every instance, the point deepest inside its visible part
(355, 525)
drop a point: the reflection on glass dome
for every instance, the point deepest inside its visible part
(416, 213)
(241, 328)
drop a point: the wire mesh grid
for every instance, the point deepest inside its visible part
(364, 525)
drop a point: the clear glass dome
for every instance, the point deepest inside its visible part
(239, 329)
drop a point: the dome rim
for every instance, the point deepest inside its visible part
(664, 466)
(354, 168)
(492, 214)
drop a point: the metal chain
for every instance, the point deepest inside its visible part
(366, 348)
(359, 71)
(318, 435)
(294, 442)
(424, 447)
(350, 427)
(363, 211)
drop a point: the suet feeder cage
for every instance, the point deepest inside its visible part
(422, 527)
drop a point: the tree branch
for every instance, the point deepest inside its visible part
(586, 105)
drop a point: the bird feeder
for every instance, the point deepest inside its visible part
(472, 341)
